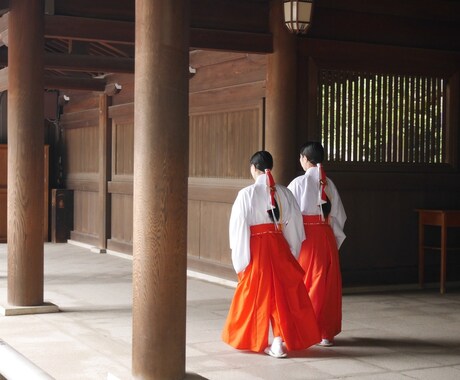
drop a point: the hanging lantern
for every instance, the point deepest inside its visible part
(297, 15)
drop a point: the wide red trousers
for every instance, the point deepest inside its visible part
(270, 289)
(319, 258)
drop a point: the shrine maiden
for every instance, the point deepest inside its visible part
(266, 233)
(324, 218)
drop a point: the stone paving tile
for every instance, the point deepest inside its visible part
(345, 367)
(380, 376)
(441, 373)
(397, 335)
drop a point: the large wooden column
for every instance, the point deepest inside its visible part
(160, 189)
(25, 153)
(281, 120)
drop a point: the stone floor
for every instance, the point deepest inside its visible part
(409, 334)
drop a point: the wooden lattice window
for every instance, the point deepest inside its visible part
(376, 118)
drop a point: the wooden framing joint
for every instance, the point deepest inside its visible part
(112, 89)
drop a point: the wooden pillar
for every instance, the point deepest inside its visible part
(281, 108)
(105, 170)
(25, 152)
(160, 189)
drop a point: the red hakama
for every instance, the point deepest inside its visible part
(319, 258)
(270, 289)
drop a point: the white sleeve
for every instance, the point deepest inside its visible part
(337, 217)
(293, 228)
(293, 188)
(239, 233)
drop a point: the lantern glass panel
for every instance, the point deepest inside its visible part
(304, 12)
(287, 12)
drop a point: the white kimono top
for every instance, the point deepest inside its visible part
(250, 208)
(306, 190)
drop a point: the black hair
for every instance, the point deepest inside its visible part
(326, 207)
(263, 160)
(314, 152)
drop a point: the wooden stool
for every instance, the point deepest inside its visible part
(443, 219)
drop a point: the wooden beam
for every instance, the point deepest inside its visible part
(81, 62)
(384, 29)
(73, 83)
(122, 32)
(102, 9)
(64, 83)
(440, 10)
(236, 15)
(87, 29)
(231, 40)
(88, 63)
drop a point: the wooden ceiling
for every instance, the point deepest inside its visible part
(87, 39)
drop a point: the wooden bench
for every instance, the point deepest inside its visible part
(443, 219)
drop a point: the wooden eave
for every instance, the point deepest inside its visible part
(104, 32)
(91, 38)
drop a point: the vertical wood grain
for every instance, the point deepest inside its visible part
(25, 153)
(160, 189)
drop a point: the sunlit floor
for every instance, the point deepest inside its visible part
(393, 335)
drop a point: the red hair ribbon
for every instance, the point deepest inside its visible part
(323, 183)
(271, 185)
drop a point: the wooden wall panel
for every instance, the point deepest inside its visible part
(121, 186)
(3, 192)
(216, 99)
(193, 228)
(210, 203)
(81, 166)
(221, 143)
(46, 194)
(126, 95)
(382, 226)
(123, 149)
(81, 150)
(3, 166)
(85, 207)
(3, 214)
(122, 218)
(239, 71)
(225, 80)
(79, 100)
(214, 244)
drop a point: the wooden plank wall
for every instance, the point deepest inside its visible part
(3, 192)
(121, 186)
(226, 127)
(80, 161)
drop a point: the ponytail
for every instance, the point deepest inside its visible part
(323, 199)
(273, 211)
